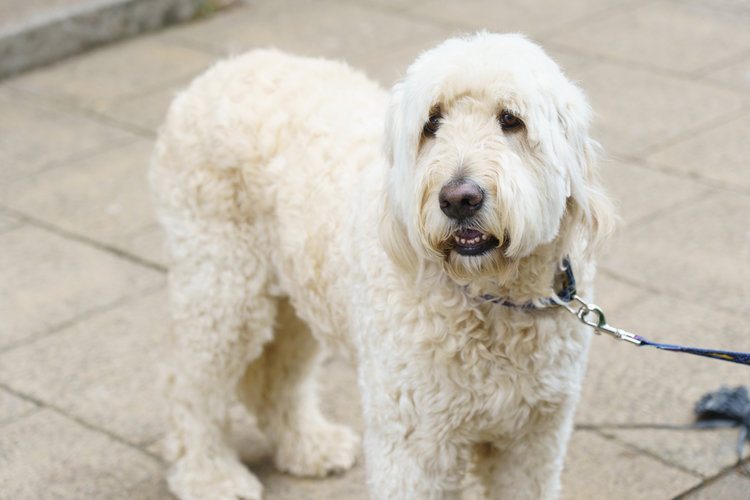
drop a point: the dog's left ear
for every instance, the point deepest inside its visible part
(588, 204)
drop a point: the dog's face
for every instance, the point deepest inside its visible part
(490, 158)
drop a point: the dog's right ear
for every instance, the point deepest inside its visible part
(395, 239)
(400, 148)
(407, 112)
(393, 122)
(400, 145)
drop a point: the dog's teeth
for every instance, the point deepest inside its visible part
(484, 237)
(458, 240)
(463, 241)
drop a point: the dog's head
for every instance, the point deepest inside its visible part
(490, 159)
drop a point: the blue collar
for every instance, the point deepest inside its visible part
(566, 290)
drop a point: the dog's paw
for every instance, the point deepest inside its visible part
(215, 479)
(319, 450)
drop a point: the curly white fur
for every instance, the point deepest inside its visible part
(290, 224)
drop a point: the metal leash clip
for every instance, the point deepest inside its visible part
(599, 323)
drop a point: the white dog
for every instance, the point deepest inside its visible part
(302, 207)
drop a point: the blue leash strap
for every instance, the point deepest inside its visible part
(593, 316)
(742, 358)
(585, 312)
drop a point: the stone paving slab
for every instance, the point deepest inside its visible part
(387, 67)
(636, 109)
(35, 137)
(736, 75)
(8, 222)
(629, 475)
(640, 192)
(614, 294)
(48, 456)
(104, 197)
(145, 111)
(705, 244)
(718, 154)
(345, 30)
(96, 79)
(152, 489)
(535, 17)
(705, 453)
(148, 243)
(731, 486)
(12, 407)
(49, 281)
(103, 370)
(667, 36)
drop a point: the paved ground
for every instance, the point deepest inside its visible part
(34, 33)
(82, 288)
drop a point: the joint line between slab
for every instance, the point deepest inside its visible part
(667, 210)
(122, 254)
(692, 132)
(595, 17)
(647, 453)
(81, 422)
(64, 105)
(710, 480)
(613, 274)
(55, 329)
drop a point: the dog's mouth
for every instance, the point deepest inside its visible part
(473, 242)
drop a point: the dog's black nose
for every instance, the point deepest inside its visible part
(460, 198)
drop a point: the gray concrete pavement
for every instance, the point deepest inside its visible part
(82, 301)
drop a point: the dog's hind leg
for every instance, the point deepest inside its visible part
(280, 389)
(222, 316)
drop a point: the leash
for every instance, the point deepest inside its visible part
(593, 316)
(600, 325)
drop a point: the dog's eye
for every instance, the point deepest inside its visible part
(509, 121)
(432, 124)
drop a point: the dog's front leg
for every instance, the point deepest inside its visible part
(531, 467)
(413, 468)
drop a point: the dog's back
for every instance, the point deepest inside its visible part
(270, 139)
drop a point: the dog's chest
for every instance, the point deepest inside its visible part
(520, 372)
